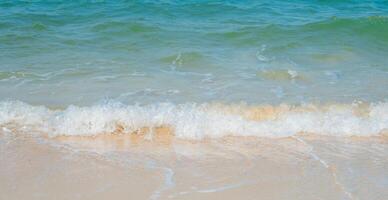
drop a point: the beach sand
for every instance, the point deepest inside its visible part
(122, 166)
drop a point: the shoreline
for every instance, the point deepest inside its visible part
(100, 167)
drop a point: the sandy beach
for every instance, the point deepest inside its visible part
(122, 167)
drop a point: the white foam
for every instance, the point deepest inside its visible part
(193, 121)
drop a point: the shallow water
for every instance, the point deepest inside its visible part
(191, 54)
(78, 52)
(99, 168)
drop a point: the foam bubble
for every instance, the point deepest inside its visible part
(196, 121)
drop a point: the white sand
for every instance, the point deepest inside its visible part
(122, 167)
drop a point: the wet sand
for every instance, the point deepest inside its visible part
(161, 167)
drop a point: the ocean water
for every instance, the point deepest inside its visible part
(201, 68)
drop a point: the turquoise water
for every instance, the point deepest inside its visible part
(79, 52)
(61, 53)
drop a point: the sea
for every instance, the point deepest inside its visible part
(152, 63)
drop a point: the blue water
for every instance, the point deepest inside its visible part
(201, 68)
(79, 52)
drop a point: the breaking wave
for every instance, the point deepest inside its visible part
(197, 121)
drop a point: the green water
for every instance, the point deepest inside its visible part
(80, 52)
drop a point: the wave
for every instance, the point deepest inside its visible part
(197, 121)
(372, 28)
(124, 27)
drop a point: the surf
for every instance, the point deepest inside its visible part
(198, 121)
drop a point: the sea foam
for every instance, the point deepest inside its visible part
(197, 121)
